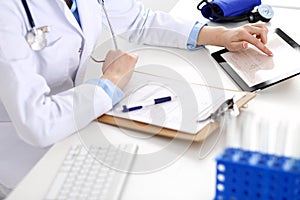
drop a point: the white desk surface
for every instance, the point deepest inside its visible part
(192, 175)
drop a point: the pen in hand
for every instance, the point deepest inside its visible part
(140, 105)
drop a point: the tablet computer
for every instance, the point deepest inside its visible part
(252, 70)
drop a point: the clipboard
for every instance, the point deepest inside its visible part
(252, 71)
(199, 133)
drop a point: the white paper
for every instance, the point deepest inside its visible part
(192, 102)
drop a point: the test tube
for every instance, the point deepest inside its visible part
(281, 137)
(292, 140)
(233, 132)
(263, 137)
(249, 131)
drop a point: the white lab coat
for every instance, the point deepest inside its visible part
(42, 95)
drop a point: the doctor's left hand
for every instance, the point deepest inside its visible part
(118, 67)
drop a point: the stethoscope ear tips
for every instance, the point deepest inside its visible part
(36, 38)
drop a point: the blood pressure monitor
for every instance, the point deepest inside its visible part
(235, 10)
(264, 13)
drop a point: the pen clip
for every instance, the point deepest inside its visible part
(228, 105)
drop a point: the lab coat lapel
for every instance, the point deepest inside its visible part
(62, 5)
(91, 24)
(90, 18)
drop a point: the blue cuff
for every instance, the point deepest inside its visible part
(192, 40)
(114, 92)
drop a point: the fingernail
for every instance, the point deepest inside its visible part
(270, 53)
(245, 45)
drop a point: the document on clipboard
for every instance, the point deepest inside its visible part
(176, 118)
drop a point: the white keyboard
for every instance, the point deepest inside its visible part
(93, 173)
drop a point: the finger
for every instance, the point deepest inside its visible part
(257, 43)
(247, 36)
(237, 46)
(260, 25)
(134, 57)
(258, 30)
(110, 58)
(129, 60)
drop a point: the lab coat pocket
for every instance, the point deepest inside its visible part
(53, 61)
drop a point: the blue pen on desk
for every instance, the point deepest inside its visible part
(143, 104)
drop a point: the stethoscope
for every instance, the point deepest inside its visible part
(36, 37)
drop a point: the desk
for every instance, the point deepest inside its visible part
(192, 175)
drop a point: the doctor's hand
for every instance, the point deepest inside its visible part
(118, 67)
(237, 38)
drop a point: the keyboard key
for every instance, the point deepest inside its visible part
(90, 173)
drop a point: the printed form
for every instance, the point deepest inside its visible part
(192, 102)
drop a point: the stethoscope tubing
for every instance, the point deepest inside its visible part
(28, 13)
(101, 2)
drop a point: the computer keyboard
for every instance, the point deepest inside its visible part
(92, 173)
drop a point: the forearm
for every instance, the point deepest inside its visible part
(146, 26)
(41, 118)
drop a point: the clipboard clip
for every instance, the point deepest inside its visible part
(228, 106)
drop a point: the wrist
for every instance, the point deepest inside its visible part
(110, 78)
(211, 36)
(112, 90)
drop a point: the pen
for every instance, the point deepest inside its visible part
(140, 105)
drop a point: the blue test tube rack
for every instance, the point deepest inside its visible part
(243, 175)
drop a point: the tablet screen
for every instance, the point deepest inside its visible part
(252, 70)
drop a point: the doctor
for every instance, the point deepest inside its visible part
(43, 97)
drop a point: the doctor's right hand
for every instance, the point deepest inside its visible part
(235, 39)
(118, 67)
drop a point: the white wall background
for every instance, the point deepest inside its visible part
(163, 5)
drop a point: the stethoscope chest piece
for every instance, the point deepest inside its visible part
(36, 38)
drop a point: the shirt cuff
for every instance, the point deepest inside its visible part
(114, 92)
(192, 40)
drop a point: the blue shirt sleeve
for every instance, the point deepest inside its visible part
(192, 40)
(114, 92)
